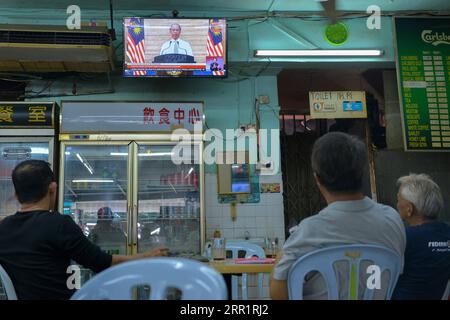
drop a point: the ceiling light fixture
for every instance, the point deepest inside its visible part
(85, 163)
(93, 181)
(318, 53)
(154, 154)
(36, 150)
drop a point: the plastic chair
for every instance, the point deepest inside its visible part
(250, 250)
(7, 285)
(322, 261)
(195, 280)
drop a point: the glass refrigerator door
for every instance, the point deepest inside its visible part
(168, 201)
(96, 193)
(11, 154)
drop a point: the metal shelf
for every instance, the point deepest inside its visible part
(173, 218)
(148, 190)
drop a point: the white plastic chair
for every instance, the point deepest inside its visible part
(323, 261)
(7, 285)
(250, 250)
(195, 280)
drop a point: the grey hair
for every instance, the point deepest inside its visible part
(423, 193)
(175, 24)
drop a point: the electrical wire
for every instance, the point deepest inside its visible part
(222, 138)
(37, 93)
(318, 16)
(269, 9)
(264, 68)
(273, 109)
(237, 75)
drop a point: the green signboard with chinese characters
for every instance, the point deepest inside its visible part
(27, 114)
(423, 67)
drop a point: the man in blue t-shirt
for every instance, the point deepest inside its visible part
(427, 255)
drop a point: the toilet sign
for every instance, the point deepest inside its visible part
(337, 104)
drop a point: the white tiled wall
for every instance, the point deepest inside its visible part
(259, 220)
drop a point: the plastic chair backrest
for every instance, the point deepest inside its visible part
(250, 250)
(7, 285)
(195, 280)
(323, 261)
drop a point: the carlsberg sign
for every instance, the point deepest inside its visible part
(435, 38)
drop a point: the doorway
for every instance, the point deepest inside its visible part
(301, 196)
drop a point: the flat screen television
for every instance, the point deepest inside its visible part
(155, 47)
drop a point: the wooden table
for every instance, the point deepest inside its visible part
(228, 266)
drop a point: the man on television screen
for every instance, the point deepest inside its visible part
(175, 45)
(214, 66)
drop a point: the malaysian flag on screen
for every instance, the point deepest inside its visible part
(135, 43)
(215, 39)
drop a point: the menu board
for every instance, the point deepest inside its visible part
(423, 66)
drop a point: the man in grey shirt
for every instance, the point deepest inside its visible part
(338, 161)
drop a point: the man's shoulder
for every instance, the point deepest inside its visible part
(370, 209)
(387, 212)
(54, 217)
(428, 229)
(43, 220)
(383, 207)
(165, 43)
(317, 218)
(183, 41)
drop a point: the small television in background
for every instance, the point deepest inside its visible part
(175, 47)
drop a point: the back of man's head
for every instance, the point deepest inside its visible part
(31, 179)
(339, 160)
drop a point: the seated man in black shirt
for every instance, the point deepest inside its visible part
(37, 245)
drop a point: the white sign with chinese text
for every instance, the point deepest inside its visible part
(142, 117)
(337, 104)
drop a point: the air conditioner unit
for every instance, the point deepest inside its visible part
(29, 48)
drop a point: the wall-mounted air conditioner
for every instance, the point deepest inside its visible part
(29, 48)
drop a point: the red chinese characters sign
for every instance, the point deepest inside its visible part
(87, 116)
(181, 116)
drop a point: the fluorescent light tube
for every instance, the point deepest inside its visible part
(318, 53)
(35, 150)
(156, 231)
(93, 180)
(88, 167)
(155, 154)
